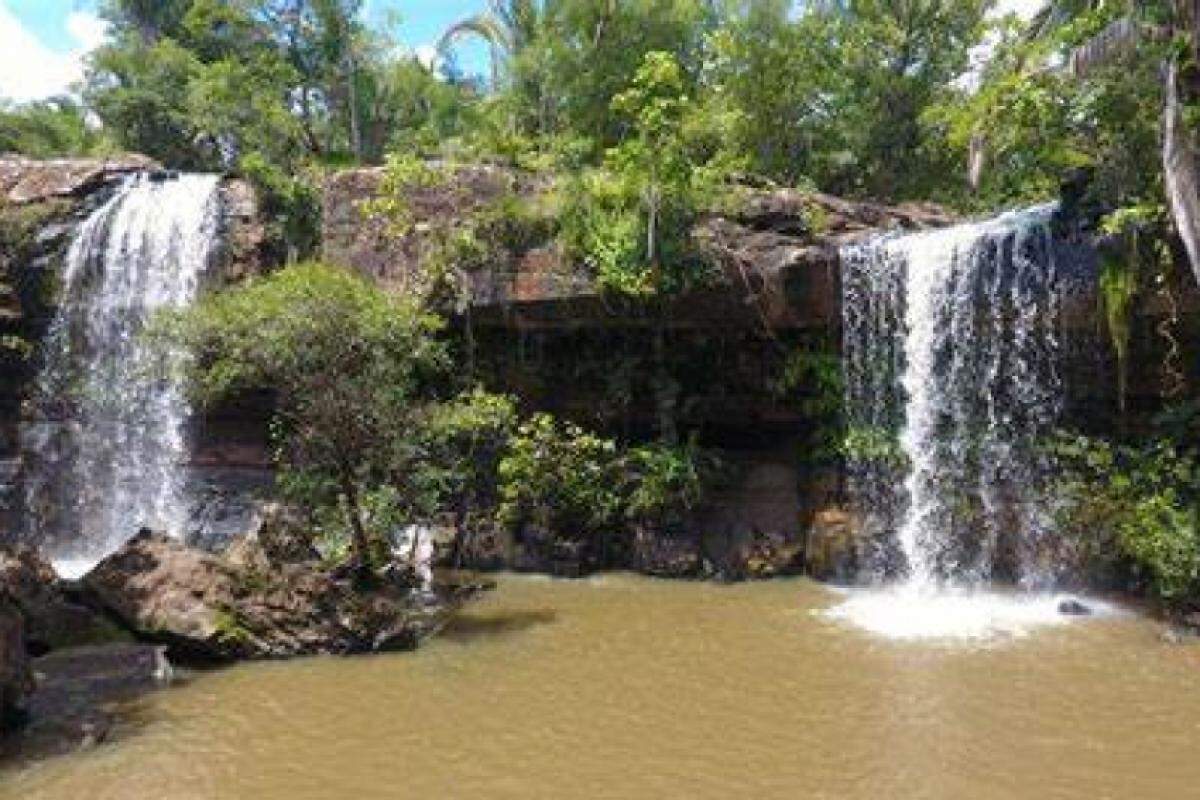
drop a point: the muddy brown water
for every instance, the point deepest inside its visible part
(623, 687)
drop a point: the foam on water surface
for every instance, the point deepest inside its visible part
(909, 613)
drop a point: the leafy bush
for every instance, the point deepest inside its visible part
(581, 487)
(664, 482)
(560, 478)
(1142, 503)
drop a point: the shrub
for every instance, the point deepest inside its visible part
(1140, 503)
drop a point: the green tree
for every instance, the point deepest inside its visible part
(47, 128)
(782, 80)
(348, 364)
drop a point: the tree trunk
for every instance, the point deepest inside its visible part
(352, 100)
(359, 546)
(1179, 170)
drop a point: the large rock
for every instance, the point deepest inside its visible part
(53, 618)
(278, 535)
(204, 607)
(26, 180)
(835, 543)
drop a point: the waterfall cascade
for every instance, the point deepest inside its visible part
(953, 367)
(953, 380)
(105, 442)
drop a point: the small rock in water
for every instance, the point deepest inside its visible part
(1175, 636)
(1074, 608)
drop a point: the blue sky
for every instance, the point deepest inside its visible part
(42, 42)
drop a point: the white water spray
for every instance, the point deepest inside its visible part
(105, 448)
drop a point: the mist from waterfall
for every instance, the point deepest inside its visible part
(104, 446)
(951, 353)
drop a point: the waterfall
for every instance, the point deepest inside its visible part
(951, 354)
(104, 446)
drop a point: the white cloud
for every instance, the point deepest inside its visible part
(87, 29)
(29, 70)
(428, 56)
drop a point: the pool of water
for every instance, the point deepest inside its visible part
(624, 687)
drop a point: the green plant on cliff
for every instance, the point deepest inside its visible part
(630, 220)
(665, 482)
(1141, 503)
(404, 173)
(578, 486)
(559, 477)
(1136, 233)
(348, 364)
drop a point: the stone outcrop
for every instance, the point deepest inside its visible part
(25, 181)
(743, 363)
(205, 607)
(776, 250)
(54, 619)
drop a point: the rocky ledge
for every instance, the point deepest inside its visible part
(246, 605)
(776, 250)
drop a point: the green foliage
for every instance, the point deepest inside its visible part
(873, 445)
(1037, 122)
(630, 221)
(405, 172)
(49, 128)
(287, 202)
(665, 482)
(558, 477)
(230, 630)
(461, 444)
(1141, 502)
(348, 363)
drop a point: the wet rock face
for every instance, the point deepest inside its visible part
(835, 544)
(205, 607)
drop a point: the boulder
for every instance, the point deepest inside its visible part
(54, 619)
(1073, 608)
(666, 556)
(771, 555)
(206, 608)
(279, 535)
(833, 547)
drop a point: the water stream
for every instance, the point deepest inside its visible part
(105, 445)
